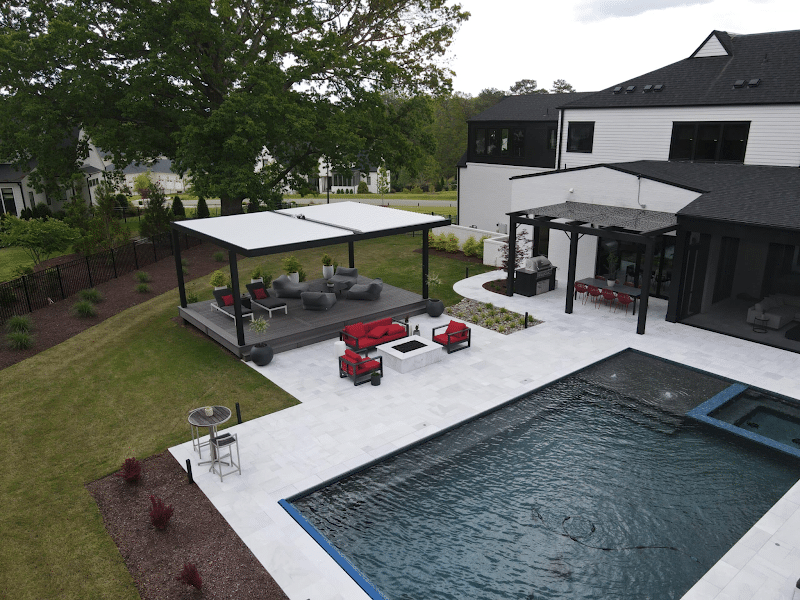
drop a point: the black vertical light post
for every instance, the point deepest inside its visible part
(512, 255)
(425, 263)
(179, 267)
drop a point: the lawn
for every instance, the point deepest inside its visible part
(122, 388)
(74, 413)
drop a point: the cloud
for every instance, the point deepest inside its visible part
(598, 10)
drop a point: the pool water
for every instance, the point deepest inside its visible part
(574, 491)
(764, 414)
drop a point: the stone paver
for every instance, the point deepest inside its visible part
(339, 427)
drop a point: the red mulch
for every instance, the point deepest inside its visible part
(197, 533)
(56, 323)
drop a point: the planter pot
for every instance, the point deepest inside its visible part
(610, 282)
(294, 277)
(435, 307)
(375, 379)
(259, 280)
(261, 354)
(220, 287)
(327, 271)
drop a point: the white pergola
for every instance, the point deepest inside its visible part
(287, 230)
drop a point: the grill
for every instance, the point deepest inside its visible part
(538, 277)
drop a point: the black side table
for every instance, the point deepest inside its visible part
(760, 324)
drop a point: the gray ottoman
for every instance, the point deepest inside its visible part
(317, 300)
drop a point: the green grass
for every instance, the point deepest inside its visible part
(10, 259)
(119, 389)
(426, 197)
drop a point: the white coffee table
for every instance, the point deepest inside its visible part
(430, 352)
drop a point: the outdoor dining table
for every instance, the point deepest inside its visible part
(198, 418)
(633, 292)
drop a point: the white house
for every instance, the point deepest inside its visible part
(160, 172)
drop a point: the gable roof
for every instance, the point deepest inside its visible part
(528, 107)
(9, 174)
(736, 193)
(707, 77)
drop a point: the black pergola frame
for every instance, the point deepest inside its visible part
(575, 230)
(233, 250)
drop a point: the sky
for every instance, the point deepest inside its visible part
(594, 44)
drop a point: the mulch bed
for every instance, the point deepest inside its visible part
(56, 323)
(454, 255)
(197, 533)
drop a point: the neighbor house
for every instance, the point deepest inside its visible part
(695, 165)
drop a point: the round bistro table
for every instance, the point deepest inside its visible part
(198, 418)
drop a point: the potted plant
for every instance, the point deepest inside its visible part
(217, 280)
(292, 267)
(256, 276)
(327, 266)
(611, 263)
(375, 378)
(435, 306)
(261, 353)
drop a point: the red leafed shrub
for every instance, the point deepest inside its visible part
(159, 513)
(190, 576)
(131, 470)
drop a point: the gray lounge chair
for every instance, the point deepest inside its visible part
(366, 291)
(285, 288)
(344, 278)
(267, 303)
(228, 309)
(318, 300)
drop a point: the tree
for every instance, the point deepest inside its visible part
(99, 228)
(383, 181)
(39, 238)
(561, 87)
(177, 208)
(202, 209)
(526, 86)
(214, 84)
(157, 214)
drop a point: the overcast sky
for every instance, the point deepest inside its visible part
(594, 44)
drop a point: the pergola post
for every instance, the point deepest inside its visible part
(511, 263)
(351, 252)
(176, 251)
(673, 304)
(425, 233)
(573, 261)
(237, 299)
(648, 272)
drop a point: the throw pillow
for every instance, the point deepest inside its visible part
(356, 330)
(352, 356)
(261, 294)
(455, 326)
(759, 308)
(395, 329)
(377, 332)
(228, 300)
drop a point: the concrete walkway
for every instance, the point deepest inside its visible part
(338, 427)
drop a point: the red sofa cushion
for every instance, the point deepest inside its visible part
(441, 339)
(378, 332)
(357, 330)
(379, 323)
(394, 329)
(367, 366)
(228, 300)
(455, 326)
(352, 356)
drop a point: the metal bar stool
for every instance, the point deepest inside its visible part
(218, 446)
(196, 436)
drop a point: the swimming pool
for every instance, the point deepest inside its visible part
(578, 490)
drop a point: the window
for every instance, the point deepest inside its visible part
(343, 180)
(480, 142)
(580, 136)
(709, 141)
(552, 138)
(518, 142)
(9, 206)
(500, 142)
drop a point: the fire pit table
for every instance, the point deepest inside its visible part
(411, 353)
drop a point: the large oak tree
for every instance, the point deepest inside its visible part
(214, 84)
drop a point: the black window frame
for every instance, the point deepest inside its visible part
(580, 137)
(716, 145)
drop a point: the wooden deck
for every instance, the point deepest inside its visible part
(302, 327)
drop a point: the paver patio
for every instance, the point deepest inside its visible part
(339, 427)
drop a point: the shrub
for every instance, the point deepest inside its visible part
(192, 296)
(451, 243)
(21, 270)
(160, 513)
(217, 279)
(439, 241)
(142, 277)
(131, 470)
(472, 247)
(363, 188)
(202, 209)
(19, 340)
(190, 576)
(219, 256)
(84, 308)
(291, 264)
(177, 208)
(19, 323)
(142, 288)
(93, 295)
(416, 190)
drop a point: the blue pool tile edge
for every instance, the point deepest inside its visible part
(701, 414)
(345, 564)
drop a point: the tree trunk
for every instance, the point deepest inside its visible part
(230, 205)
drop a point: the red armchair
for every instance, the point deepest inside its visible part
(454, 337)
(359, 369)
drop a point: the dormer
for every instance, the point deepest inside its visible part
(716, 44)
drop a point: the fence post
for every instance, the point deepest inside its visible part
(113, 263)
(60, 283)
(27, 296)
(89, 270)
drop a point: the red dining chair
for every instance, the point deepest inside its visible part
(609, 296)
(583, 289)
(625, 300)
(594, 292)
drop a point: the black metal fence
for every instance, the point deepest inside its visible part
(31, 292)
